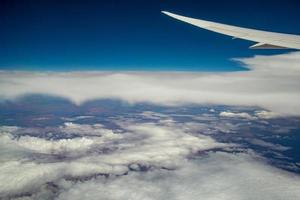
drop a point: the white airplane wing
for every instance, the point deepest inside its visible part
(264, 39)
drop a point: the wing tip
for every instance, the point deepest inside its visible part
(167, 13)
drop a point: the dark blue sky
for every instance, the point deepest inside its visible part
(132, 35)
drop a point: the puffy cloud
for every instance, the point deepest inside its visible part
(271, 83)
(157, 157)
(266, 114)
(220, 176)
(20, 177)
(62, 146)
(243, 115)
(85, 129)
(30, 163)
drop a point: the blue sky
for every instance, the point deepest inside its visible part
(133, 35)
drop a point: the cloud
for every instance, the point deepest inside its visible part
(154, 158)
(220, 176)
(266, 114)
(268, 145)
(62, 146)
(237, 115)
(28, 164)
(71, 119)
(271, 83)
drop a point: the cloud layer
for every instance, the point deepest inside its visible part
(29, 162)
(147, 155)
(271, 83)
(219, 176)
(163, 158)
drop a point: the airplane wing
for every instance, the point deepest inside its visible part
(264, 39)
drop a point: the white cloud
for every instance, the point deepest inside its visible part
(25, 176)
(219, 176)
(85, 129)
(34, 168)
(71, 119)
(237, 115)
(268, 145)
(266, 114)
(19, 177)
(272, 83)
(28, 163)
(62, 146)
(153, 115)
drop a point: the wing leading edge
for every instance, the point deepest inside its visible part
(264, 39)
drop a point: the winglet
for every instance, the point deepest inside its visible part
(265, 46)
